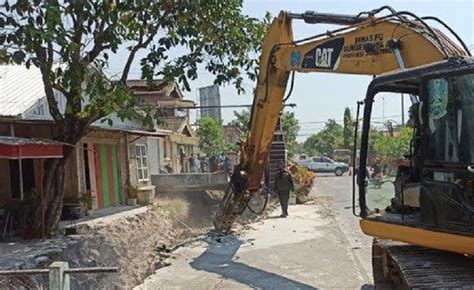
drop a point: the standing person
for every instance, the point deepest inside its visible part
(212, 164)
(283, 186)
(226, 164)
(197, 163)
(220, 162)
(182, 155)
(203, 163)
(192, 162)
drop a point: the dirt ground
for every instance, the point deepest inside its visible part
(138, 241)
(318, 246)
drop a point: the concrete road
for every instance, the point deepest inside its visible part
(318, 246)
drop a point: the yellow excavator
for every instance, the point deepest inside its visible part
(424, 236)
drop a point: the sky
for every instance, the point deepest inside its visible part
(320, 96)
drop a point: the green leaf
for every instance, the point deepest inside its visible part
(68, 108)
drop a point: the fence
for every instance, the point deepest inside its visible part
(59, 273)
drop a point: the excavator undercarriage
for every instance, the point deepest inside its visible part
(401, 266)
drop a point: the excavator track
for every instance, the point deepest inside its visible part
(398, 265)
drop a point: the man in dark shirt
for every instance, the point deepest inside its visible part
(283, 186)
(191, 163)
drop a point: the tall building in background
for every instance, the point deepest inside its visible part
(210, 97)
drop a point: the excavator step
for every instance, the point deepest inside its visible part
(402, 266)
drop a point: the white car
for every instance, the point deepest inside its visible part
(324, 164)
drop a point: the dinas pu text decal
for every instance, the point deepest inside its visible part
(371, 44)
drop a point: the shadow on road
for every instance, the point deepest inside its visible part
(218, 258)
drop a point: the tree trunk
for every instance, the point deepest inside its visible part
(53, 185)
(53, 194)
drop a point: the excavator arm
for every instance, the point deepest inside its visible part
(364, 45)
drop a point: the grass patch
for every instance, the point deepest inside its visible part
(175, 207)
(216, 194)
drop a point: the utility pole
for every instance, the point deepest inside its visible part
(403, 110)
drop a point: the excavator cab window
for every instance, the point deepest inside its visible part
(388, 176)
(389, 148)
(450, 129)
(446, 197)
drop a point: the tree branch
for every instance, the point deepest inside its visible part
(77, 26)
(45, 64)
(99, 37)
(141, 44)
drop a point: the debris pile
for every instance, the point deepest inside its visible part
(304, 180)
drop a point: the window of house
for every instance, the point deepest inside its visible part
(142, 163)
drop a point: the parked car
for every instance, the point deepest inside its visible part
(324, 164)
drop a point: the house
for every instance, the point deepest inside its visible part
(173, 115)
(105, 161)
(232, 134)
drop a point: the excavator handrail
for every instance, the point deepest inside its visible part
(397, 14)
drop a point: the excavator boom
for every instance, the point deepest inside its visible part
(364, 45)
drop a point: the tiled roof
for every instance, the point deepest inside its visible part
(142, 83)
(161, 89)
(172, 123)
(20, 88)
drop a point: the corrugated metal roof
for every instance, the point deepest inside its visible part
(16, 141)
(20, 88)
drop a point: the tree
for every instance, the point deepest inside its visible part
(211, 138)
(348, 131)
(82, 35)
(389, 148)
(241, 121)
(291, 127)
(325, 141)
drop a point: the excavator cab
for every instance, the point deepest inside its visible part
(429, 193)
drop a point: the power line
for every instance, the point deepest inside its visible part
(340, 121)
(226, 106)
